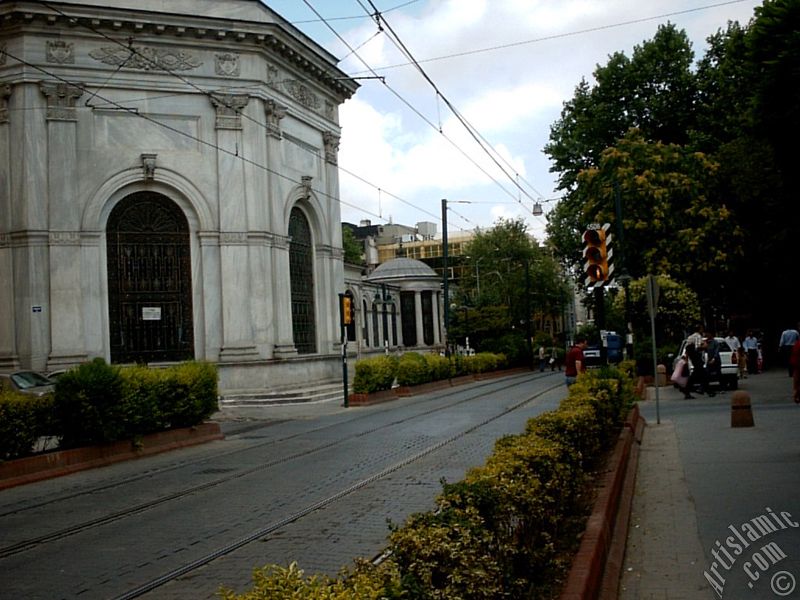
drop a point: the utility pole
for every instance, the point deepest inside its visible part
(446, 288)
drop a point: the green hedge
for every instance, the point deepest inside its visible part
(379, 372)
(375, 374)
(96, 403)
(507, 530)
(23, 420)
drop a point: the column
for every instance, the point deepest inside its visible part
(237, 334)
(67, 344)
(418, 318)
(281, 337)
(8, 348)
(437, 324)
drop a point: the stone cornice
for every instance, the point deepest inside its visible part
(271, 36)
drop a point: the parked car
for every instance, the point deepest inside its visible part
(27, 382)
(728, 377)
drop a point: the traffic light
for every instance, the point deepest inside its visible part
(596, 255)
(347, 310)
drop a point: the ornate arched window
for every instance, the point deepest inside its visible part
(149, 280)
(301, 273)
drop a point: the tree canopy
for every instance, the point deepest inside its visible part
(698, 159)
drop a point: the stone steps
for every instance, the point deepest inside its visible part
(322, 392)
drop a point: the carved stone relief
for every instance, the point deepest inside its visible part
(274, 112)
(61, 100)
(331, 141)
(149, 166)
(65, 238)
(60, 52)
(147, 58)
(229, 108)
(303, 94)
(227, 65)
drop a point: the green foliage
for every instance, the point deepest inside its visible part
(678, 310)
(504, 531)
(23, 419)
(88, 405)
(708, 179)
(412, 369)
(439, 367)
(375, 374)
(363, 582)
(484, 362)
(96, 402)
(353, 249)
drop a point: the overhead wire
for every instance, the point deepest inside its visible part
(555, 36)
(406, 102)
(479, 139)
(215, 95)
(85, 88)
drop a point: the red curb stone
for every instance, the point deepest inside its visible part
(63, 462)
(598, 556)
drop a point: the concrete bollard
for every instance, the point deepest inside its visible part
(741, 411)
(661, 376)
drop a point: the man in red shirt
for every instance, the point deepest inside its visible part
(575, 362)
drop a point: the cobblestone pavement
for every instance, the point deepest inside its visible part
(270, 466)
(716, 510)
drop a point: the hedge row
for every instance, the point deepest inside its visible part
(380, 372)
(506, 531)
(97, 403)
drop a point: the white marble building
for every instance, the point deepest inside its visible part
(169, 189)
(397, 307)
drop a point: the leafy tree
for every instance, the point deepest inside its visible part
(653, 91)
(353, 250)
(669, 212)
(500, 257)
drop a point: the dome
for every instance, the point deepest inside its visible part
(402, 268)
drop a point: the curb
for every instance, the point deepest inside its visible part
(597, 566)
(63, 462)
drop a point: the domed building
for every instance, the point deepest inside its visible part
(397, 306)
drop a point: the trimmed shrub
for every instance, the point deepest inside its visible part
(23, 420)
(375, 374)
(88, 405)
(507, 529)
(413, 369)
(439, 367)
(363, 582)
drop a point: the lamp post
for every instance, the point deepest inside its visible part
(383, 299)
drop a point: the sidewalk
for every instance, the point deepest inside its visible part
(706, 520)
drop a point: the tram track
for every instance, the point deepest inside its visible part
(28, 544)
(270, 528)
(226, 454)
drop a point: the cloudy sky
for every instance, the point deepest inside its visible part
(506, 66)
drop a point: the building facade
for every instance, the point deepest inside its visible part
(169, 189)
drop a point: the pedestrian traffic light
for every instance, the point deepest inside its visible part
(595, 254)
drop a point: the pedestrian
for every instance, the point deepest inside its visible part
(713, 359)
(788, 338)
(575, 363)
(750, 345)
(680, 376)
(697, 337)
(733, 342)
(542, 358)
(554, 361)
(698, 376)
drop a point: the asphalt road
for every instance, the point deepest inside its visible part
(314, 484)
